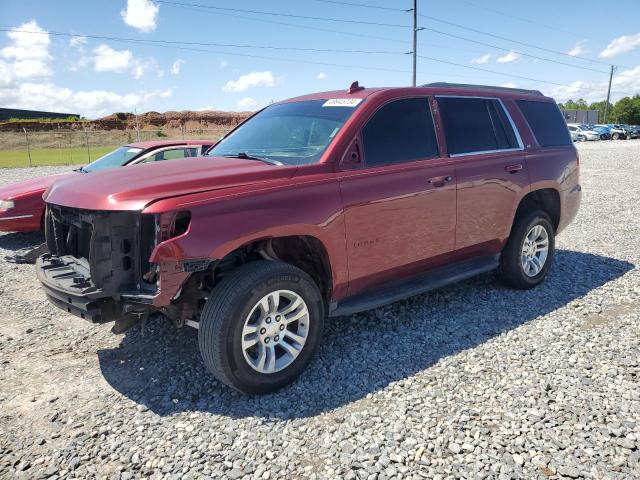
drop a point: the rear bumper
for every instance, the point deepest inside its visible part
(570, 204)
(66, 282)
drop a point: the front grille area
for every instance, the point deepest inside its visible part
(113, 247)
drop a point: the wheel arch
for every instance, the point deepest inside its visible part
(306, 252)
(545, 199)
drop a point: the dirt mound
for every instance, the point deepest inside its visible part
(185, 119)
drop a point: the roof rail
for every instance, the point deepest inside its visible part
(467, 85)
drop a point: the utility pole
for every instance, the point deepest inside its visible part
(606, 105)
(415, 39)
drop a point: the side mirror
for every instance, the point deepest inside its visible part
(352, 157)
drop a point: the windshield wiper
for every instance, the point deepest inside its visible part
(81, 170)
(246, 156)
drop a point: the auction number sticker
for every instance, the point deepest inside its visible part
(342, 102)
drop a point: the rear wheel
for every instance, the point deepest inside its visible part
(615, 136)
(529, 252)
(261, 326)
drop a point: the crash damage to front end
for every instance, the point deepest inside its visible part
(98, 266)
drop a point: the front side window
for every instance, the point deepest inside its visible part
(172, 154)
(292, 133)
(546, 122)
(117, 158)
(475, 125)
(400, 131)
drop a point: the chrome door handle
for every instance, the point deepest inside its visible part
(440, 181)
(516, 167)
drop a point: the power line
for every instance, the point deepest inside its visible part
(510, 50)
(277, 14)
(363, 5)
(505, 74)
(206, 44)
(528, 20)
(557, 52)
(287, 24)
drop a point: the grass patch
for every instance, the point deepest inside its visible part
(50, 156)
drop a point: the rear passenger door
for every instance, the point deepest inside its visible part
(490, 169)
(400, 208)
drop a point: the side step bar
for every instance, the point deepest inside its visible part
(421, 283)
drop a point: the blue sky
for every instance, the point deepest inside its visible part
(96, 76)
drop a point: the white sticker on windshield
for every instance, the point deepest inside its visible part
(342, 102)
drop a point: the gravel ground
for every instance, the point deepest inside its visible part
(469, 381)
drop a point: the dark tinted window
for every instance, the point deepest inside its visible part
(475, 125)
(400, 131)
(546, 122)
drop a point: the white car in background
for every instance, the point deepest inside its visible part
(577, 137)
(581, 130)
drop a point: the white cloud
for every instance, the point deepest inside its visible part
(247, 102)
(27, 55)
(251, 80)
(578, 49)
(622, 44)
(77, 41)
(625, 84)
(92, 103)
(80, 57)
(177, 65)
(482, 59)
(106, 59)
(322, 76)
(223, 63)
(508, 58)
(141, 15)
(28, 42)
(508, 85)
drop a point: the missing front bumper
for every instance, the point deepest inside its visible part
(66, 282)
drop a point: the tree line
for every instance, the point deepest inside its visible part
(626, 110)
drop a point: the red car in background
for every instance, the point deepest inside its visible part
(21, 204)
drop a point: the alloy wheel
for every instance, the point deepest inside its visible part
(535, 250)
(275, 331)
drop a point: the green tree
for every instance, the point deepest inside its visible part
(600, 107)
(580, 104)
(627, 110)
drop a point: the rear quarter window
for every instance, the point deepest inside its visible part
(546, 122)
(475, 125)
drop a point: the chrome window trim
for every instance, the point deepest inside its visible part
(142, 158)
(511, 122)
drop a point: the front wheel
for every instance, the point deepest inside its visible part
(261, 326)
(529, 252)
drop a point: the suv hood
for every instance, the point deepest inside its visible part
(135, 187)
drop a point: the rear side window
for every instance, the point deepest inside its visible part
(546, 122)
(475, 125)
(400, 131)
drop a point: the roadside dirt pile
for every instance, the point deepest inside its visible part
(185, 119)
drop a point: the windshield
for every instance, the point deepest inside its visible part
(117, 158)
(290, 133)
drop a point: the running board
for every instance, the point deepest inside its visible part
(421, 283)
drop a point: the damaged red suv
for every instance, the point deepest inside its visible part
(326, 204)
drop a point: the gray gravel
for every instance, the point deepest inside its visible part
(470, 381)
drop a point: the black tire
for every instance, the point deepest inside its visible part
(615, 136)
(511, 271)
(224, 314)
